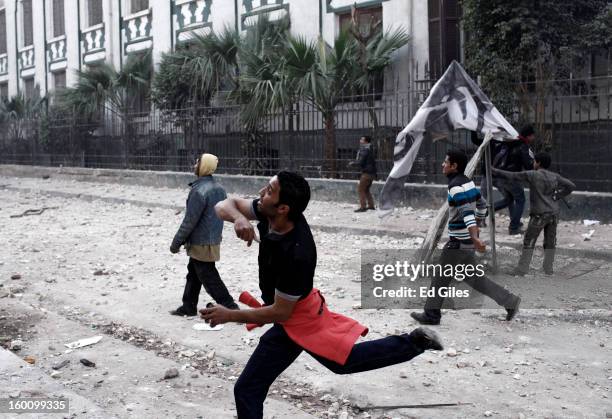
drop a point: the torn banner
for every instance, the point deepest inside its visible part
(454, 102)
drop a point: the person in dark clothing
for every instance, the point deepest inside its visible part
(367, 164)
(513, 157)
(463, 240)
(200, 232)
(546, 188)
(300, 317)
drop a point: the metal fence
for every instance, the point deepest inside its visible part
(576, 120)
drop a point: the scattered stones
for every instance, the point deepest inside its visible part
(452, 352)
(15, 276)
(29, 359)
(171, 373)
(60, 364)
(16, 345)
(488, 414)
(211, 355)
(56, 374)
(87, 363)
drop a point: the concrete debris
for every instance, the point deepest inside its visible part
(452, 352)
(171, 373)
(83, 342)
(16, 345)
(87, 363)
(61, 364)
(29, 359)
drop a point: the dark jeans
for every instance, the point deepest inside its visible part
(513, 198)
(537, 223)
(455, 253)
(276, 351)
(205, 273)
(363, 188)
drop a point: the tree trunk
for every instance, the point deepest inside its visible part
(330, 163)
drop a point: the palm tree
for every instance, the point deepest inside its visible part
(322, 74)
(189, 78)
(263, 83)
(19, 110)
(102, 88)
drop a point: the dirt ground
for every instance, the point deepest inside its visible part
(87, 267)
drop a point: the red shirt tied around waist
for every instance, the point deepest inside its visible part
(300, 319)
(316, 329)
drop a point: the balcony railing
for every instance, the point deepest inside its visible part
(191, 17)
(56, 49)
(137, 30)
(93, 43)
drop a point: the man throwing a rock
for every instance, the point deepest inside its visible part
(298, 313)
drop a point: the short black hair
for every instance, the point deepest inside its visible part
(544, 159)
(458, 157)
(526, 131)
(294, 192)
(367, 138)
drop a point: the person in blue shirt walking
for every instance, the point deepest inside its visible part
(200, 232)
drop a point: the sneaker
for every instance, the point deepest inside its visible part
(426, 339)
(515, 232)
(361, 210)
(423, 318)
(182, 311)
(512, 311)
(371, 208)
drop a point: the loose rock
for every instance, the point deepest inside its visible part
(171, 373)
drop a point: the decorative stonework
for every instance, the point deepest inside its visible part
(137, 28)
(93, 44)
(26, 58)
(56, 49)
(4, 64)
(252, 9)
(343, 6)
(191, 17)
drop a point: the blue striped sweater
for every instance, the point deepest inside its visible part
(462, 198)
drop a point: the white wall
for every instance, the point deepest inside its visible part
(409, 14)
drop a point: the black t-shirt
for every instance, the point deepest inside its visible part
(287, 262)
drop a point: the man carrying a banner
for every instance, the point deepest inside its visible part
(463, 240)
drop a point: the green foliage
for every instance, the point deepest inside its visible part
(516, 46)
(102, 87)
(196, 71)
(263, 84)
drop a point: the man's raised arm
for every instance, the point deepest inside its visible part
(238, 211)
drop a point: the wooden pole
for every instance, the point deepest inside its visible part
(490, 207)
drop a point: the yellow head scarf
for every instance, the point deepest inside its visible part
(208, 164)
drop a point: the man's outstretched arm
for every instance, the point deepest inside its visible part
(238, 211)
(278, 312)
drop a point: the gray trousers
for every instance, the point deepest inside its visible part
(537, 223)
